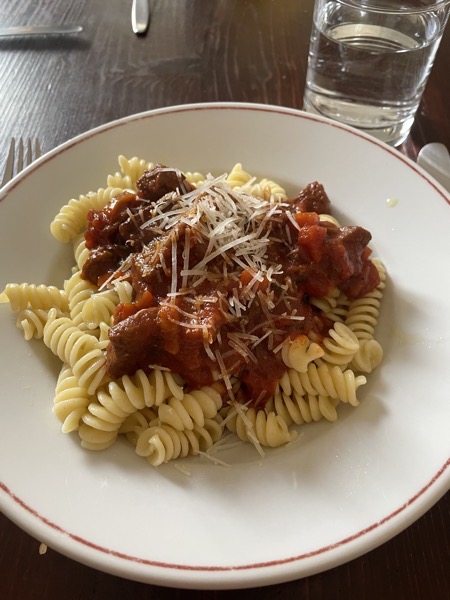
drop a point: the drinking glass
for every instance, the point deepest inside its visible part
(369, 61)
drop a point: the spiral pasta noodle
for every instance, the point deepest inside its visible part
(325, 380)
(137, 422)
(28, 295)
(32, 322)
(78, 349)
(362, 315)
(70, 401)
(133, 169)
(294, 408)
(340, 346)
(196, 179)
(162, 443)
(298, 353)
(190, 410)
(265, 188)
(325, 303)
(237, 177)
(78, 291)
(241, 180)
(119, 180)
(99, 308)
(72, 218)
(117, 400)
(93, 438)
(334, 306)
(257, 426)
(368, 356)
(124, 291)
(362, 319)
(81, 253)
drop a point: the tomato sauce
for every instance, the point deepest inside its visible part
(211, 332)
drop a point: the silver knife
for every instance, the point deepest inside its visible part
(140, 16)
(26, 30)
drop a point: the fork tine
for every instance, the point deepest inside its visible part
(9, 169)
(33, 151)
(19, 162)
(37, 149)
(29, 154)
(20, 155)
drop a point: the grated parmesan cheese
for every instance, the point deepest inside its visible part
(216, 238)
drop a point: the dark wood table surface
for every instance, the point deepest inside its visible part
(54, 88)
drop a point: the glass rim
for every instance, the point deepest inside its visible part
(384, 7)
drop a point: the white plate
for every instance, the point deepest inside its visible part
(345, 487)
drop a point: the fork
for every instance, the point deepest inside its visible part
(21, 154)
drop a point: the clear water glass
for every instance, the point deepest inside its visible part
(369, 62)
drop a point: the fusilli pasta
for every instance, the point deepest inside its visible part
(78, 349)
(32, 322)
(72, 218)
(162, 443)
(78, 291)
(71, 400)
(324, 380)
(133, 168)
(190, 410)
(260, 427)
(26, 295)
(340, 346)
(294, 408)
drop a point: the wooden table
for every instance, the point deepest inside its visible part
(195, 51)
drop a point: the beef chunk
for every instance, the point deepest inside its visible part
(313, 199)
(157, 182)
(103, 261)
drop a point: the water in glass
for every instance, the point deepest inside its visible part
(370, 73)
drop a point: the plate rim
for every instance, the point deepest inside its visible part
(231, 576)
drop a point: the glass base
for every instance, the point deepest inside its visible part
(362, 117)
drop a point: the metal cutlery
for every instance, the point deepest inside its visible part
(20, 155)
(140, 16)
(435, 159)
(29, 30)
